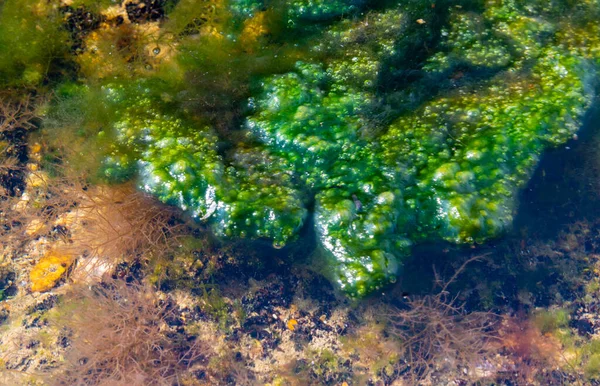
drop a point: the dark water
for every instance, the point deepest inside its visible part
(564, 188)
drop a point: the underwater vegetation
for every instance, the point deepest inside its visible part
(122, 339)
(383, 124)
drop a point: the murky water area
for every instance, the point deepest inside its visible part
(299, 192)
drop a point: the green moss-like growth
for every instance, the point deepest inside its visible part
(550, 321)
(469, 42)
(592, 368)
(258, 199)
(177, 160)
(31, 39)
(360, 240)
(190, 16)
(312, 117)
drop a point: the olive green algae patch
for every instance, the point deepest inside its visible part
(299, 12)
(388, 151)
(32, 39)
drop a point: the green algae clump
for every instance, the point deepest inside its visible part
(449, 170)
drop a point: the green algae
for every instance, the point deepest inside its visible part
(32, 40)
(469, 43)
(409, 123)
(299, 11)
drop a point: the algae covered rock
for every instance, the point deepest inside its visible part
(469, 42)
(398, 124)
(450, 170)
(307, 120)
(259, 199)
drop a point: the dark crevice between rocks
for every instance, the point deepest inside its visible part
(12, 178)
(145, 10)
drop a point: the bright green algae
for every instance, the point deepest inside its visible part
(313, 118)
(351, 129)
(178, 161)
(475, 150)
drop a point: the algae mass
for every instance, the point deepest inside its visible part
(383, 123)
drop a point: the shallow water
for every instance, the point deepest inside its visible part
(295, 178)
